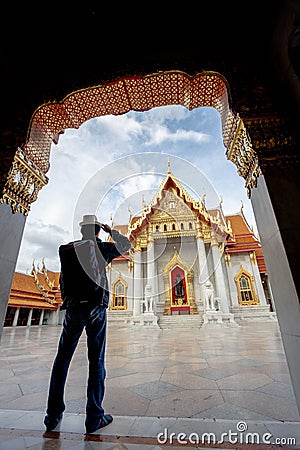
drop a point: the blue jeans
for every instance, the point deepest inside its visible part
(93, 319)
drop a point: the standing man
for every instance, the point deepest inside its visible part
(84, 312)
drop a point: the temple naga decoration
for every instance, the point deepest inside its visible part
(24, 181)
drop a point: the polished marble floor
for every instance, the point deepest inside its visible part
(207, 380)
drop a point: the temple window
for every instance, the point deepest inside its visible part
(172, 205)
(173, 227)
(181, 226)
(190, 226)
(165, 227)
(245, 286)
(245, 289)
(119, 300)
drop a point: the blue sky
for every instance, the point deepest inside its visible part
(111, 164)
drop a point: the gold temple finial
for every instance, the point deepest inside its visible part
(33, 269)
(112, 220)
(169, 165)
(130, 215)
(45, 272)
(229, 226)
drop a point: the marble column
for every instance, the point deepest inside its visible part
(53, 319)
(232, 284)
(220, 289)
(16, 317)
(11, 232)
(203, 269)
(151, 274)
(41, 317)
(137, 286)
(29, 317)
(279, 267)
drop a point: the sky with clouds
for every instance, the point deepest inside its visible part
(112, 164)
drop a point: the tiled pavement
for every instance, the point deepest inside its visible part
(191, 381)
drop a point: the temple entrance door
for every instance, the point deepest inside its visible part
(179, 300)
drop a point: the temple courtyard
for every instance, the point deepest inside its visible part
(212, 387)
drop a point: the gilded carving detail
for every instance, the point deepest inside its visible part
(206, 233)
(273, 141)
(189, 273)
(270, 136)
(41, 288)
(253, 257)
(43, 270)
(174, 213)
(227, 259)
(24, 181)
(244, 157)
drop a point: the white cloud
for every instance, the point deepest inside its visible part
(161, 134)
(41, 241)
(164, 113)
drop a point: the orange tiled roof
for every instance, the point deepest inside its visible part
(244, 240)
(261, 261)
(31, 303)
(24, 282)
(25, 291)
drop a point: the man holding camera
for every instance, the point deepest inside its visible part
(84, 311)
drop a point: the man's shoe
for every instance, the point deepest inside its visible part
(52, 422)
(105, 420)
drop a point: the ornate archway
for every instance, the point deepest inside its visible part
(139, 93)
(184, 302)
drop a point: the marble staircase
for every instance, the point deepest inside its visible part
(180, 321)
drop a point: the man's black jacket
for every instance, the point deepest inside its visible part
(107, 252)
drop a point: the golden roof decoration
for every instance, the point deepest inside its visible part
(27, 290)
(51, 283)
(171, 182)
(43, 290)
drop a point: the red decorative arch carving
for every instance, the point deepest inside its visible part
(136, 93)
